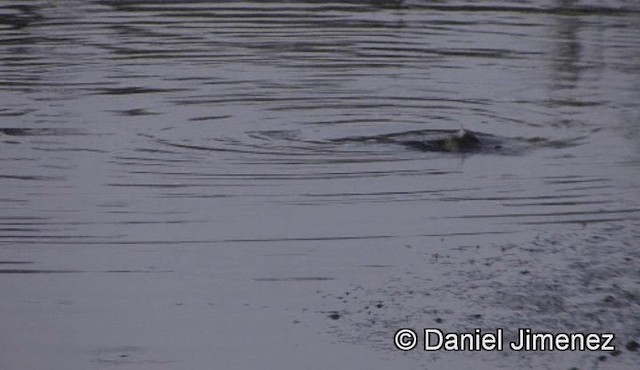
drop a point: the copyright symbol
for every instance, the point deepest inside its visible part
(405, 339)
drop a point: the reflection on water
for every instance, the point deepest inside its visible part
(150, 127)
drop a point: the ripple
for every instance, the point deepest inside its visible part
(200, 135)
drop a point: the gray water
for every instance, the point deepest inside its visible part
(184, 182)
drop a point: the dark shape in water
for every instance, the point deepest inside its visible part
(460, 142)
(449, 141)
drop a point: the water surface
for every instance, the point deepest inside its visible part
(185, 172)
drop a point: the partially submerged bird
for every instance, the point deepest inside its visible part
(462, 141)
